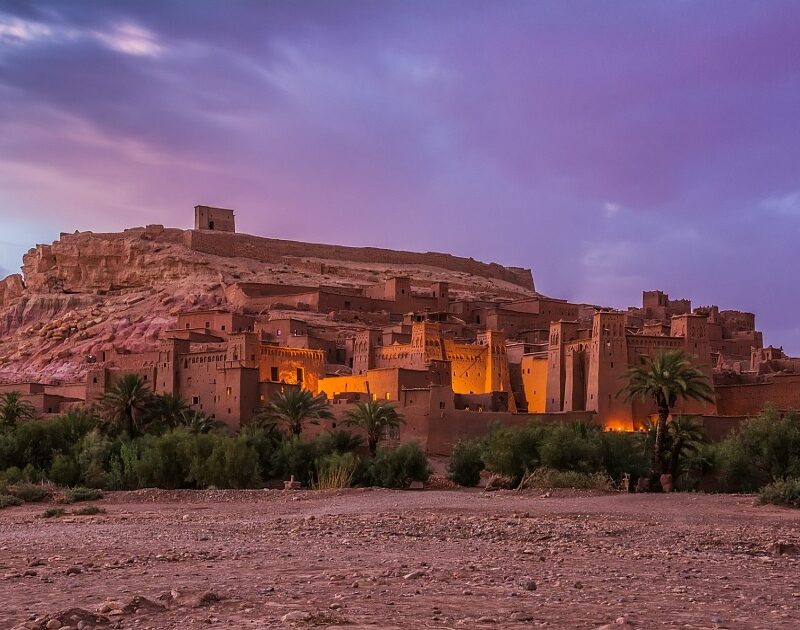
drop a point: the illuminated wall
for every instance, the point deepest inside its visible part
(534, 382)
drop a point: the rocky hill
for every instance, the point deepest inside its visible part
(90, 292)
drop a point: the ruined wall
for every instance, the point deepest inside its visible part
(273, 250)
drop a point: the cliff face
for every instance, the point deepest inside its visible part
(87, 293)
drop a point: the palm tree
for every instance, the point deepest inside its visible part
(169, 409)
(665, 379)
(13, 408)
(129, 404)
(197, 421)
(374, 417)
(686, 435)
(294, 408)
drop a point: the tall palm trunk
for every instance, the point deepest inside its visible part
(373, 445)
(658, 447)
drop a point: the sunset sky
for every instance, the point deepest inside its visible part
(610, 146)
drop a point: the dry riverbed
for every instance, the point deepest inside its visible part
(393, 559)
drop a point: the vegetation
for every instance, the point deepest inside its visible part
(336, 471)
(130, 405)
(783, 492)
(8, 500)
(549, 478)
(82, 493)
(666, 379)
(398, 467)
(15, 409)
(466, 463)
(294, 408)
(88, 510)
(53, 513)
(374, 417)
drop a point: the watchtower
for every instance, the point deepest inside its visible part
(217, 219)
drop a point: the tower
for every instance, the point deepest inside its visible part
(608, 362)
(561, 332)
(210, 218)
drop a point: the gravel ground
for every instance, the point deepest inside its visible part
(392, 559)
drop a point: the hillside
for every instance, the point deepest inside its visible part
(87, 292)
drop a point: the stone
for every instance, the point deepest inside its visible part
(530, 585)
(414, 575)
(296, 616)
(53, 624)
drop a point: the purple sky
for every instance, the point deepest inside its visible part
(610, 146)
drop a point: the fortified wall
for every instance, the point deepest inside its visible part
(272, 250)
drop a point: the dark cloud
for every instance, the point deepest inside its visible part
(611, 147)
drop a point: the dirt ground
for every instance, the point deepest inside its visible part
(402, 559)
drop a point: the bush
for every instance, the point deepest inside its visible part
(11, 475)
(549, 478)
(30, 493)
(294, 457)
(622, 453)
(466, 463)
(513, 452)
(398, 467)
(573, 447)
(336, 471)
(88, 510)
(53, 513)
(83, 494)
(65, 471)
(783, 492)
(7, 500)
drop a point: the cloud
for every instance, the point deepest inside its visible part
(130, 39)
(787, 204)
(610, 209)
(19, 31)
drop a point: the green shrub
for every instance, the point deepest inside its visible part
(83, 494)
(53, 513)
(549, 478)
(398, 467)
(571, 447)
(338, 441)
(29, 492)
(783, 492)
(65, 471)
(622, 453)
(764, 449)
(336, 471)
(88, 510)
(7, 500)
(513, 452)
(294, 457)
(11, 475)
(466, 463)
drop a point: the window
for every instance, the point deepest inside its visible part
(388, 396)
(94, 380)
(187, 324)
(223, 326)
(208, 325)
(273, 374)
(195, 400)
(299, 375)
(228, 391)
(441, 404)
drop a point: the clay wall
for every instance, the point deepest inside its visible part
(217, 321)
(295, 366)
(780, 390)
(445, 428)
(211, 218)
(273, 250)
(534, 381)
